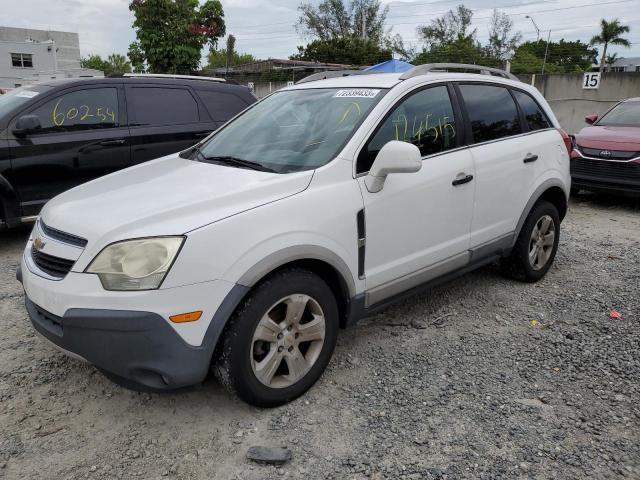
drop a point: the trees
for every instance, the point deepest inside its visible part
(610, 34)
(349, 50)
(334, 19)
(228, 57)
(611, 59)
(455, 25)
(501, 41)
(115, 64)
(171, 33)
(562, 57)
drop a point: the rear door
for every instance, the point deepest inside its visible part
(164, 119)
(83, 136)
(505, 157)
(223, 102)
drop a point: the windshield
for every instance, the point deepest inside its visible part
(294, 130)
(627, 113)
(18, 97)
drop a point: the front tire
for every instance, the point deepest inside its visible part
(537, 244)
(280, 339)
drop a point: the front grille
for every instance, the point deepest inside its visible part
(619, 155)
(617, 172)
(62, 236)
(54, 266)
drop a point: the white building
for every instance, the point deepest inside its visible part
(28, 56)
(631, 64)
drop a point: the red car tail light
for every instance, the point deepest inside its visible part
(568, 142)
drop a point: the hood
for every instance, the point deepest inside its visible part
(610, 138)
(168, 196)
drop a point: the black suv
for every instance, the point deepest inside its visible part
(58, 134)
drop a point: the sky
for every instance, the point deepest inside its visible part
(266, 28)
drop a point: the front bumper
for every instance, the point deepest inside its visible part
(128, 335)
(602, 175)
(137, 349)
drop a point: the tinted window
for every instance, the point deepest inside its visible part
(492, 112)
(162, 106)
(221, 105)
(19, 97)
(80, 110)
(533, 114)
(424, 119)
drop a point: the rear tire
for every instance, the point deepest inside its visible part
(537, 244)
(279, 341)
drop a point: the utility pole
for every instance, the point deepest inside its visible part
(534, 26)
(546, 51)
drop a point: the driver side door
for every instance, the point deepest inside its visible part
(418, 226)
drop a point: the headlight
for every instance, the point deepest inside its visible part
(139, 264)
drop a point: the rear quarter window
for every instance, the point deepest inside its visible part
(221, 105)
(533, 113)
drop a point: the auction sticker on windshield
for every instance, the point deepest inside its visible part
(357, 93)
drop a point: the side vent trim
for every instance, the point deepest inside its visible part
(362, 242)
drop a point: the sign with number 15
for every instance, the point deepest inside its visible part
(591, 80)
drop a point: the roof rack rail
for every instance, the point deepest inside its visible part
(330, 74)
(170, 75)
(445, 67)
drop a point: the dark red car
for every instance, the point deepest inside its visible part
(606, 154)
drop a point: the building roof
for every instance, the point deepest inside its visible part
(625, 62)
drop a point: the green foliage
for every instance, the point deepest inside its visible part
(136, 56)
(95, 62)
(453, 26)
(610, 34)
(348, 50)
(461, 50)
(333, 19)
(218, 58)
(562, 57)
(115, 64)
(172, 33)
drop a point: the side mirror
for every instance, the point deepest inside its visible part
(591, 119)
(26, 124)
(394, 157)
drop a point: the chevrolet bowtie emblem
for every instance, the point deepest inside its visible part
(38, 243)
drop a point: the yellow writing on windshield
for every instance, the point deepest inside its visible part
(353, 107)
(428, 126)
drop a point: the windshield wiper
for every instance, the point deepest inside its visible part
(239, 162)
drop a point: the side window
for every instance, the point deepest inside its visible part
(492, 112)
(162, 106)
(533, 114)
(425, 119)
(221, 105)
(80, 110)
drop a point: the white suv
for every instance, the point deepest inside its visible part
(248, 252)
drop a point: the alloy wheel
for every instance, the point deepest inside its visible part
(542, 241)
(287, 341)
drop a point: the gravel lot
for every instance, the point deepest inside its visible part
(482, 378)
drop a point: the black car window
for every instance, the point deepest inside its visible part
(492, 112)
(533, 114)
(221, 105)
(80, 110)
(162, 106)
(425, 119)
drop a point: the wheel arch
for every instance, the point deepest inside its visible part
(552, 191)
(319, 260)
(9, 203)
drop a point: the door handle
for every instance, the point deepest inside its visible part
(530, 158)
(462, 180)
(111, 143)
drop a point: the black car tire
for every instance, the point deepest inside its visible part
(234, 366)
(518, 264)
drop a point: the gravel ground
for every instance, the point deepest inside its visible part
(482, 378)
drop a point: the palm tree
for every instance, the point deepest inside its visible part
(610, 60)
(118, 64)
(610, 34)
